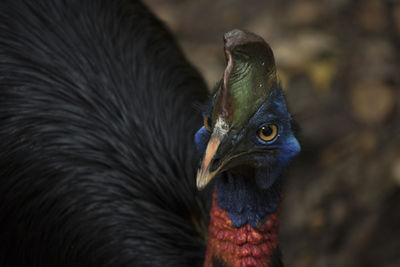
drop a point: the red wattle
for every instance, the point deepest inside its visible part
(240, 247)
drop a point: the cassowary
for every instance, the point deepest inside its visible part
(99, 152)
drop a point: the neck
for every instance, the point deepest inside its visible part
(245, 201)
(245, 245)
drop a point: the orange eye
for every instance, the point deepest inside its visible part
(207, 122)
(268, 132)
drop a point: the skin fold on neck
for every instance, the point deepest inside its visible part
(243, 246)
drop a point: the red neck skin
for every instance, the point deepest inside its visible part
(240, 247)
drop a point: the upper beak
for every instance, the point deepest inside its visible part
(204, 175)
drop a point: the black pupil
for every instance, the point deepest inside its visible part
(266, 130)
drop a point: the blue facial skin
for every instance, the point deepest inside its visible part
(201, 138)
(246, 201)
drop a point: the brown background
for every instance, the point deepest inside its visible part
(339, 63)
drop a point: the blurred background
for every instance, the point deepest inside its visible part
(339, 63)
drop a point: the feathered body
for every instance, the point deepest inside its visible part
(97, 159)
(98, 147)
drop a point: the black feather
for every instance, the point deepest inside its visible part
(97, 159)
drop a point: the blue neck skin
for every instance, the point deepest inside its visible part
(245, 201)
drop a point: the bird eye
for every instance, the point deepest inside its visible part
(268, 132)
(207, 122)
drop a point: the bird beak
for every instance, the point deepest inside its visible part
(204, 175)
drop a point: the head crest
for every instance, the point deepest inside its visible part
(248, 78)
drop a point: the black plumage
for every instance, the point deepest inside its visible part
(97, 117)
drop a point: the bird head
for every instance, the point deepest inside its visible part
(247, 127)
